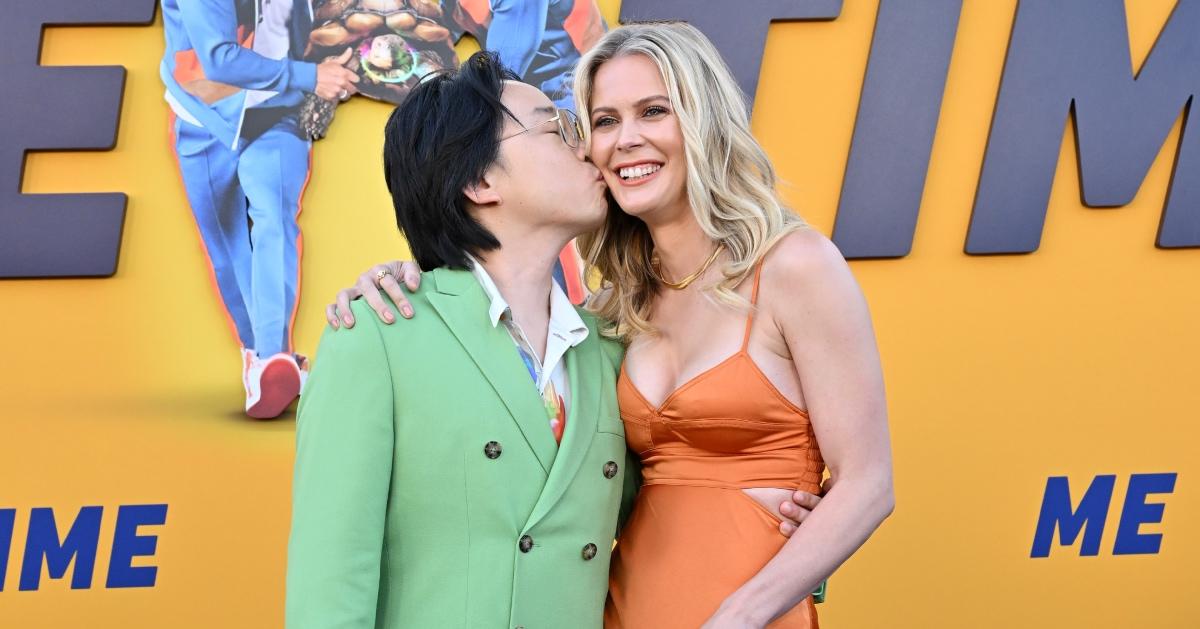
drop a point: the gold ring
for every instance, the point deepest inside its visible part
(379, 275)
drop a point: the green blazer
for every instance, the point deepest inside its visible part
(429, 491)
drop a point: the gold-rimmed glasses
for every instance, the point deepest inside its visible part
(568, 128)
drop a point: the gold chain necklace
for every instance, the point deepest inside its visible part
(687, 281)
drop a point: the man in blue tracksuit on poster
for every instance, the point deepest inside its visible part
(539, 40)
(235, 81)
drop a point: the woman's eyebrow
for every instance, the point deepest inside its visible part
(640, 103)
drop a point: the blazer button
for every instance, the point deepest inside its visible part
(589, 551)
(525, 544)
(610, 469)
(492, 450)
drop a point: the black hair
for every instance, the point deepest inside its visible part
(442, 139)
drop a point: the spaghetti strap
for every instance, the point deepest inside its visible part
(753, 305)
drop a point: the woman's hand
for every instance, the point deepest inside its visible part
(386, 276)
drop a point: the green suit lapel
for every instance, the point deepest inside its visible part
(462, 304)
(584, 364)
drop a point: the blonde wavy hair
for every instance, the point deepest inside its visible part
(730, 181)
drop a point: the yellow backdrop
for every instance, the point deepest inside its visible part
(1076, 360)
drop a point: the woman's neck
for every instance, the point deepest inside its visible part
(680, 244)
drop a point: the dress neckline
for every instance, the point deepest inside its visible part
(662, 406)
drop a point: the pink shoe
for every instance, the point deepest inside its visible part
(271, 385)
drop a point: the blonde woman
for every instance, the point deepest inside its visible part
(751, 365)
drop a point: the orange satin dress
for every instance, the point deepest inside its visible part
(694, 537)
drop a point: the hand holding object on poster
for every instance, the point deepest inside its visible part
(334, 81)
(389, 43)
(316, 112)
(415, 34)
(397, 42)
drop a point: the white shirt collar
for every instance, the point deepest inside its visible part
(565, 322)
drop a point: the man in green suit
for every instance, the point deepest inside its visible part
(466, 469)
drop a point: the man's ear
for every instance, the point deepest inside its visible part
(483, 192)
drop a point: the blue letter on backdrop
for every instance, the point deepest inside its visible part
(893, 134)
(1136, 512)
(58, 108)
(127, 544)
(7, 517)
(1074, 54)
(80, 545)
(1056, 511)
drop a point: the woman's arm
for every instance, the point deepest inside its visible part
(822, 316)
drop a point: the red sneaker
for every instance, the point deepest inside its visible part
(271, 385)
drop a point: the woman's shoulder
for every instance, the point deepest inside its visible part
(801, 258)
(808, 288)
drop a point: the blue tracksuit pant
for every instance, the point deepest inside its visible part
(246, 204)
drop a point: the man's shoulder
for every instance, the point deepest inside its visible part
(367, 321)
(442, 292)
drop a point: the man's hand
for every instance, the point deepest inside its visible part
(334, 81)
(795, 511)
(386, 276)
